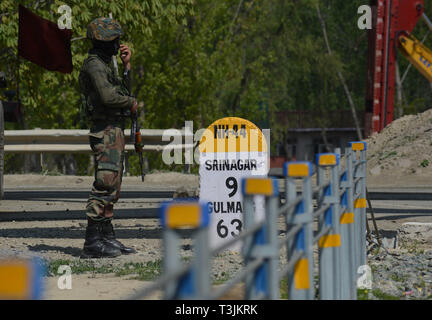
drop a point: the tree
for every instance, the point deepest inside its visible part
(50, 99)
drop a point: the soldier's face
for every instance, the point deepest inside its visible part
(116, 46)
(109, 47)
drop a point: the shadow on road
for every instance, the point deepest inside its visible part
(398, 217)
(408, 212)
(73, 251)
(64, 194)
(140, 213)
(78, 233)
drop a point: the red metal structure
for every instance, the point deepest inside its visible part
(390, 18)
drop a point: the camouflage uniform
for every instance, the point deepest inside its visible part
(108, 103)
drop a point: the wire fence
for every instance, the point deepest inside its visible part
(336, 208)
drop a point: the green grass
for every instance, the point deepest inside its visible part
(362, 294)
(283, 285)
(424, 163)
(222, 279)
(383, 296)
(397, 278)
(148, 271)
(388, 155)
(411, 246)
(52, 173)
(284, 288)
(77, 267)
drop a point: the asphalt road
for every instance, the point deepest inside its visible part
(37, 204)
(63, 204)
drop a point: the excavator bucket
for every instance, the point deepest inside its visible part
(418, 54)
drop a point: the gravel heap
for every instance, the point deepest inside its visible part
(404, 147)
(401, 275)
(406, 271)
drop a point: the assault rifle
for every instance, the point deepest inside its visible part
(135, 138)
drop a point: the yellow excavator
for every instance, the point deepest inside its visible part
(393, 22)
(417, 53)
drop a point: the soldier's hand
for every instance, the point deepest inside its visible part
(125, 55)
(134, 108)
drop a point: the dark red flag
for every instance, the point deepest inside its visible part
(42, 42)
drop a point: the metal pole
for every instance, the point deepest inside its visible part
(345, 221)
(248, 221)
(363, 205)
(264, 281)
(351, 227)
(272, 240)
(334, 237)
(195, 283)
(202, 263)
(308, 215)
(427, 21)
(331, 242)
(114, 59)
(360, 201)
(260, 275)
(386, 66)
(326, 261)
(171, 260)
(360, 205)
(1, 151)
(357, 215)
(301, 279)
(290, 195)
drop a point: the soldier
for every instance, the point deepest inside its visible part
(108, 105)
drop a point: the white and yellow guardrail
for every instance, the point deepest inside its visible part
(339, 212)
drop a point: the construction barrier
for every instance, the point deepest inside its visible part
(21, 278)
(336, 208)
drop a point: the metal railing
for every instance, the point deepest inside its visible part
(339, 217)
(77, 141)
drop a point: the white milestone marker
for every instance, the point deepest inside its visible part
(230, 150)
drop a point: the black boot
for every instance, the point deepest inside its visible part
(95, 246)
(109, 236)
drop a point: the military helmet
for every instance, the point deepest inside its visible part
(104, 29)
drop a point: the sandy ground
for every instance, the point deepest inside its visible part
(59, 232)
(63, 237)
(96, 287)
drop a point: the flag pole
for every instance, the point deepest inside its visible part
(18, 78)
(77, 38)
(18, 99)
(114, 58)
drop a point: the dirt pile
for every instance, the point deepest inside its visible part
(403, 148)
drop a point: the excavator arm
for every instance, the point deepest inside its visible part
(393, 20)
(418, 54)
